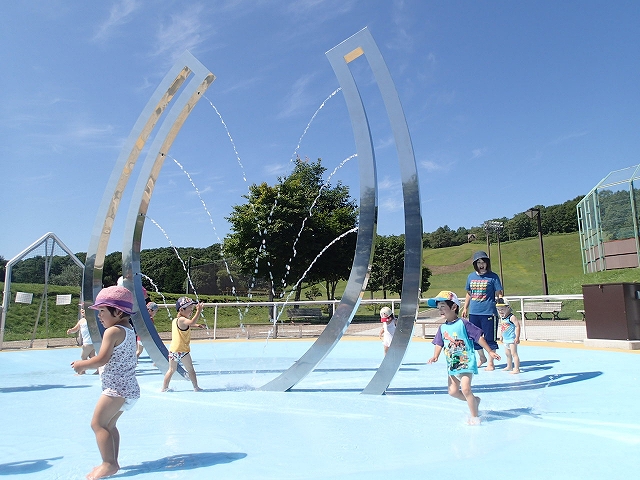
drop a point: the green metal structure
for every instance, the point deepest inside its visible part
(608, 222)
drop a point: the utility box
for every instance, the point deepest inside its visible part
(612, 311)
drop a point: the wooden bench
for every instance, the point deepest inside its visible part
(539, 308)
(304, 313)
(432, 323)
(274, 330)
(268, 329)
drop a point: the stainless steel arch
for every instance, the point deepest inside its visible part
(142, 193)
(340, 56)
(361, 266)
(94, 264)
(363, 43)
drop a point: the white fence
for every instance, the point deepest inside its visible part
(428, 319)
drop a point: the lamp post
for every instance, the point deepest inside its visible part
(487, 231)
(535, 213)
(188, 274)
(497, 227)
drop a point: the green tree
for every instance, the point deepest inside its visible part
(442, 237)
(388, 266)
(279, 232)
(70, 275)
(112, 269)
(29, 270)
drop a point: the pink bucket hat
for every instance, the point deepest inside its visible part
(117, 297)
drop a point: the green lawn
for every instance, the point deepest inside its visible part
(522, 275)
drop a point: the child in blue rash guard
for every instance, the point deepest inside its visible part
(456, 336)
(510, 334)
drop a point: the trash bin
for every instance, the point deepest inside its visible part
(612, 311)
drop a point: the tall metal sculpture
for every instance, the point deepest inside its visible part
(185, 67)
(340, 57)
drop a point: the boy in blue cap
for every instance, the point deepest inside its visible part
(457, 336)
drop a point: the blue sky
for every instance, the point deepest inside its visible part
(509, 105)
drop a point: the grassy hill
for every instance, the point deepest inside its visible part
(521, 268)
(522, 275)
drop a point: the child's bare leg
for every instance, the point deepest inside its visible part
(482, 356)
(513, 350)
(188, 366)
(115, 434)
(490, 365)
(454, 388)
(103, 423)
(173, 366)
(87, 352)
(507, 352)
(471, 399)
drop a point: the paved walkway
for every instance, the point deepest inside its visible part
(564, 417)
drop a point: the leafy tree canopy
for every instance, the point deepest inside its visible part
(280, 231)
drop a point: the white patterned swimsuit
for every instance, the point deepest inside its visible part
(118, 375)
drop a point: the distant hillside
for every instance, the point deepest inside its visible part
(522, 270)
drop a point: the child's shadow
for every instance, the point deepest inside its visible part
(26, 466)
(495, 415)
(532, 365)
(174, 463)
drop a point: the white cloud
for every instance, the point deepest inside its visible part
(432, 166)
(392, 203)
(569, 136)
(120, 14)
(276, 168)
(386, 142)
(477, 153)
(297, 98)
(387, 184)
(183, 31)
(321, 10)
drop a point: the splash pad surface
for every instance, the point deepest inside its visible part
(572, 413)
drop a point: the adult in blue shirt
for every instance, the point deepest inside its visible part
(483, 288)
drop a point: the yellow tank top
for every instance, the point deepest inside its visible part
(180, 339)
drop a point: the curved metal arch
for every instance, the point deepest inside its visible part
(146, 122)
(340, 56)
(141, 197)
(363, 43)
(361, 267)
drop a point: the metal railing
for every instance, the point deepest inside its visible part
(516, 301)
(277, 308)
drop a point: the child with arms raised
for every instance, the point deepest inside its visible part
(180, 347)
(456, 336)
(117, 363)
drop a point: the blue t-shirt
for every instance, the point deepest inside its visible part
(482, 289)
(457, 340)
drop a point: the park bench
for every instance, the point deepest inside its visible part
(539, 308)
(260, 330)
(304, 313)
(278, 329)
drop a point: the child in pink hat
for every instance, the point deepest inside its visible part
(116, 362)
